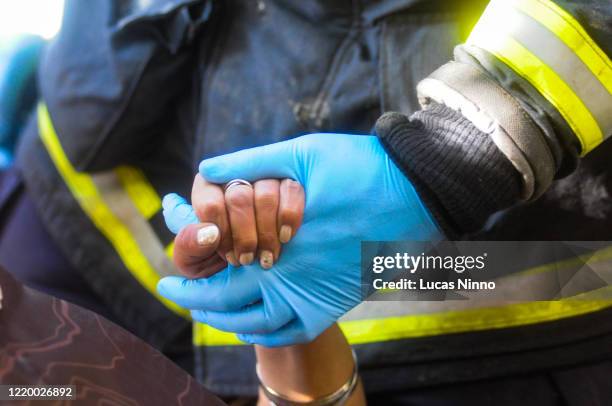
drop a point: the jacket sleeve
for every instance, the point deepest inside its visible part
(111, 72)
(535, 79)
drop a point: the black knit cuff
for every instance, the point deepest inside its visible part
(457, 170)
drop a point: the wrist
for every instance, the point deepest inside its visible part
(305, 372)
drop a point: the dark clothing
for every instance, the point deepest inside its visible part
(417, 143)
(164, 86)
(462, 212)
(584, 385)
(31, 255)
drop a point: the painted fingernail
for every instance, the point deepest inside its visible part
(231, 258)
(266, 259)
(207, 235)
(246, 258)
(285, 234)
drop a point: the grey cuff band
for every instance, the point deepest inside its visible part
(495, 112)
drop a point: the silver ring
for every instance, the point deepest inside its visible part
(236, 182)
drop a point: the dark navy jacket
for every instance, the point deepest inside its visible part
(164, 83)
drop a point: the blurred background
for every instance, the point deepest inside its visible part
(35, 17)
(25, 26)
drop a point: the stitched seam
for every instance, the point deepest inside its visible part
(565, 114)
(572, 24)
(515, 103)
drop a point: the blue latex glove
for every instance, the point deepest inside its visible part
(354, 193)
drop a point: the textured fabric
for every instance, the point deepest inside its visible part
(29, 253)
(461, 175)
(582, 385)
(255, 80)
(595, 16)
(112, 61)
(485, 103)
(249, 73)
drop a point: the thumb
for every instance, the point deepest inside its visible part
(195, 250)
(270, 161)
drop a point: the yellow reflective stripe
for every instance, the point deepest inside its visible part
(140, 191)
(89, 198)
(476, 319)
(600, 294)
(208, 336)
(489, 35)
(568, 30)
(170, 250)
(425, 325)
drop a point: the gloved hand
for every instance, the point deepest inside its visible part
(354, 193)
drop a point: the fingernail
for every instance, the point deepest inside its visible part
(207, 235)
(285, 234)
(231, 258)
(266, 259)
(246, 258)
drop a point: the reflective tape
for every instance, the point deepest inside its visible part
(129, 213)
(424, 325)
(568, 30)
(170, 250)
(372, 322)
(566, 63)
(90, 198)
(548, 48)
(90, 194)
(140, 191)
